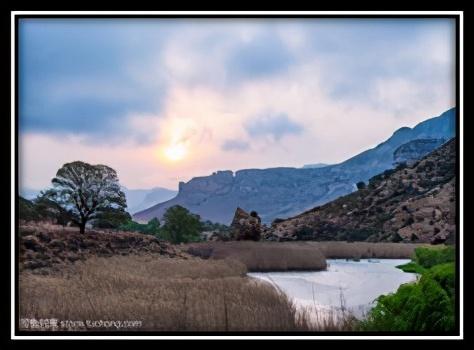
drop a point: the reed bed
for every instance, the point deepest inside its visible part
(287, 256)
(163, 294)
(263, 256)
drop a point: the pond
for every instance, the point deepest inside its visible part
(352, 284)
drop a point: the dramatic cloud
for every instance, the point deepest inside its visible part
(163, 100)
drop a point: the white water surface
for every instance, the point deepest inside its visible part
(354, 285)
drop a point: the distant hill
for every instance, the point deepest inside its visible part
(137, 200)
(413, 203)
(140, 199)
(284, 192)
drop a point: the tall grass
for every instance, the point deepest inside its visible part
(365, 250)
(286, 256)
(263, 256)
(164, 294)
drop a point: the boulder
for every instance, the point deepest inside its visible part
(246, 226)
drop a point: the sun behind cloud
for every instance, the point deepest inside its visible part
(175, 152)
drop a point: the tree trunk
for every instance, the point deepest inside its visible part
(82, 227)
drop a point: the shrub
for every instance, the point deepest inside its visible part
(111, 218)
(151, 228)
(180, 225)
(429, 257)
(361, 185)
(304, 233)
(426, 306)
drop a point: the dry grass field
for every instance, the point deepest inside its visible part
(165, 294)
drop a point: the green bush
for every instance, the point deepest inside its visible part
(180, 225)
(426, 306)
(412, 267)
(111, 218)
(151, 228)
(429, 257)
(27, 210)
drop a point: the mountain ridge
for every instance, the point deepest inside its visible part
(285, 191)
(414, 202)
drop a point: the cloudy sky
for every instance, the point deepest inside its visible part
(164, 100)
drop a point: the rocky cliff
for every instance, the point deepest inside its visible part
(284, 192)
(411, 151)
(413, 203)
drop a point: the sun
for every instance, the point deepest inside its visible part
(175, 152)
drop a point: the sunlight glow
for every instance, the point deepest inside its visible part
(175, 152)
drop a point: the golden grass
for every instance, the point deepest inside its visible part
(365, 250)
(263, 256)
(287, 256)
(164, 294)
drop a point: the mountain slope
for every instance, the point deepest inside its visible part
(283, 192)
(410, 203)
(141, 199)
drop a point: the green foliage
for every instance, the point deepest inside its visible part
(412, 267)
(180, 225)
(43, 209)
(27, 210)
(86, 190)
(361, 185)
(425, 306)
(428, 257)
(214, 226)
(111, 218)
(151, 228)
(305, 233)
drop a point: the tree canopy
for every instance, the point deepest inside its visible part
(180, 225)
(86, 191)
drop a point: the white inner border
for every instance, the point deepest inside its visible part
(461, 185)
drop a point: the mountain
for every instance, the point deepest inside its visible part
(412, 203)
(284, 192)
(141, 199)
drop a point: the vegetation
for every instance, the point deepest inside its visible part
(164, 294)
(221, 229)
(112, 218)
(43, 209)
(86, 191)
(425, 306)
(151, 228)
(427, 257)
(180, 226)
(285, 256)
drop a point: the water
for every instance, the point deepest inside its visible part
(353, 284)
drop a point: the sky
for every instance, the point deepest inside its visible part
(165, 100)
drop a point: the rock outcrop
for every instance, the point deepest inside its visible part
(284, 192)
(246, 226)
(411, 203)
(412, 151)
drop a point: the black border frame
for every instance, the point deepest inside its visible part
(185, 334)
